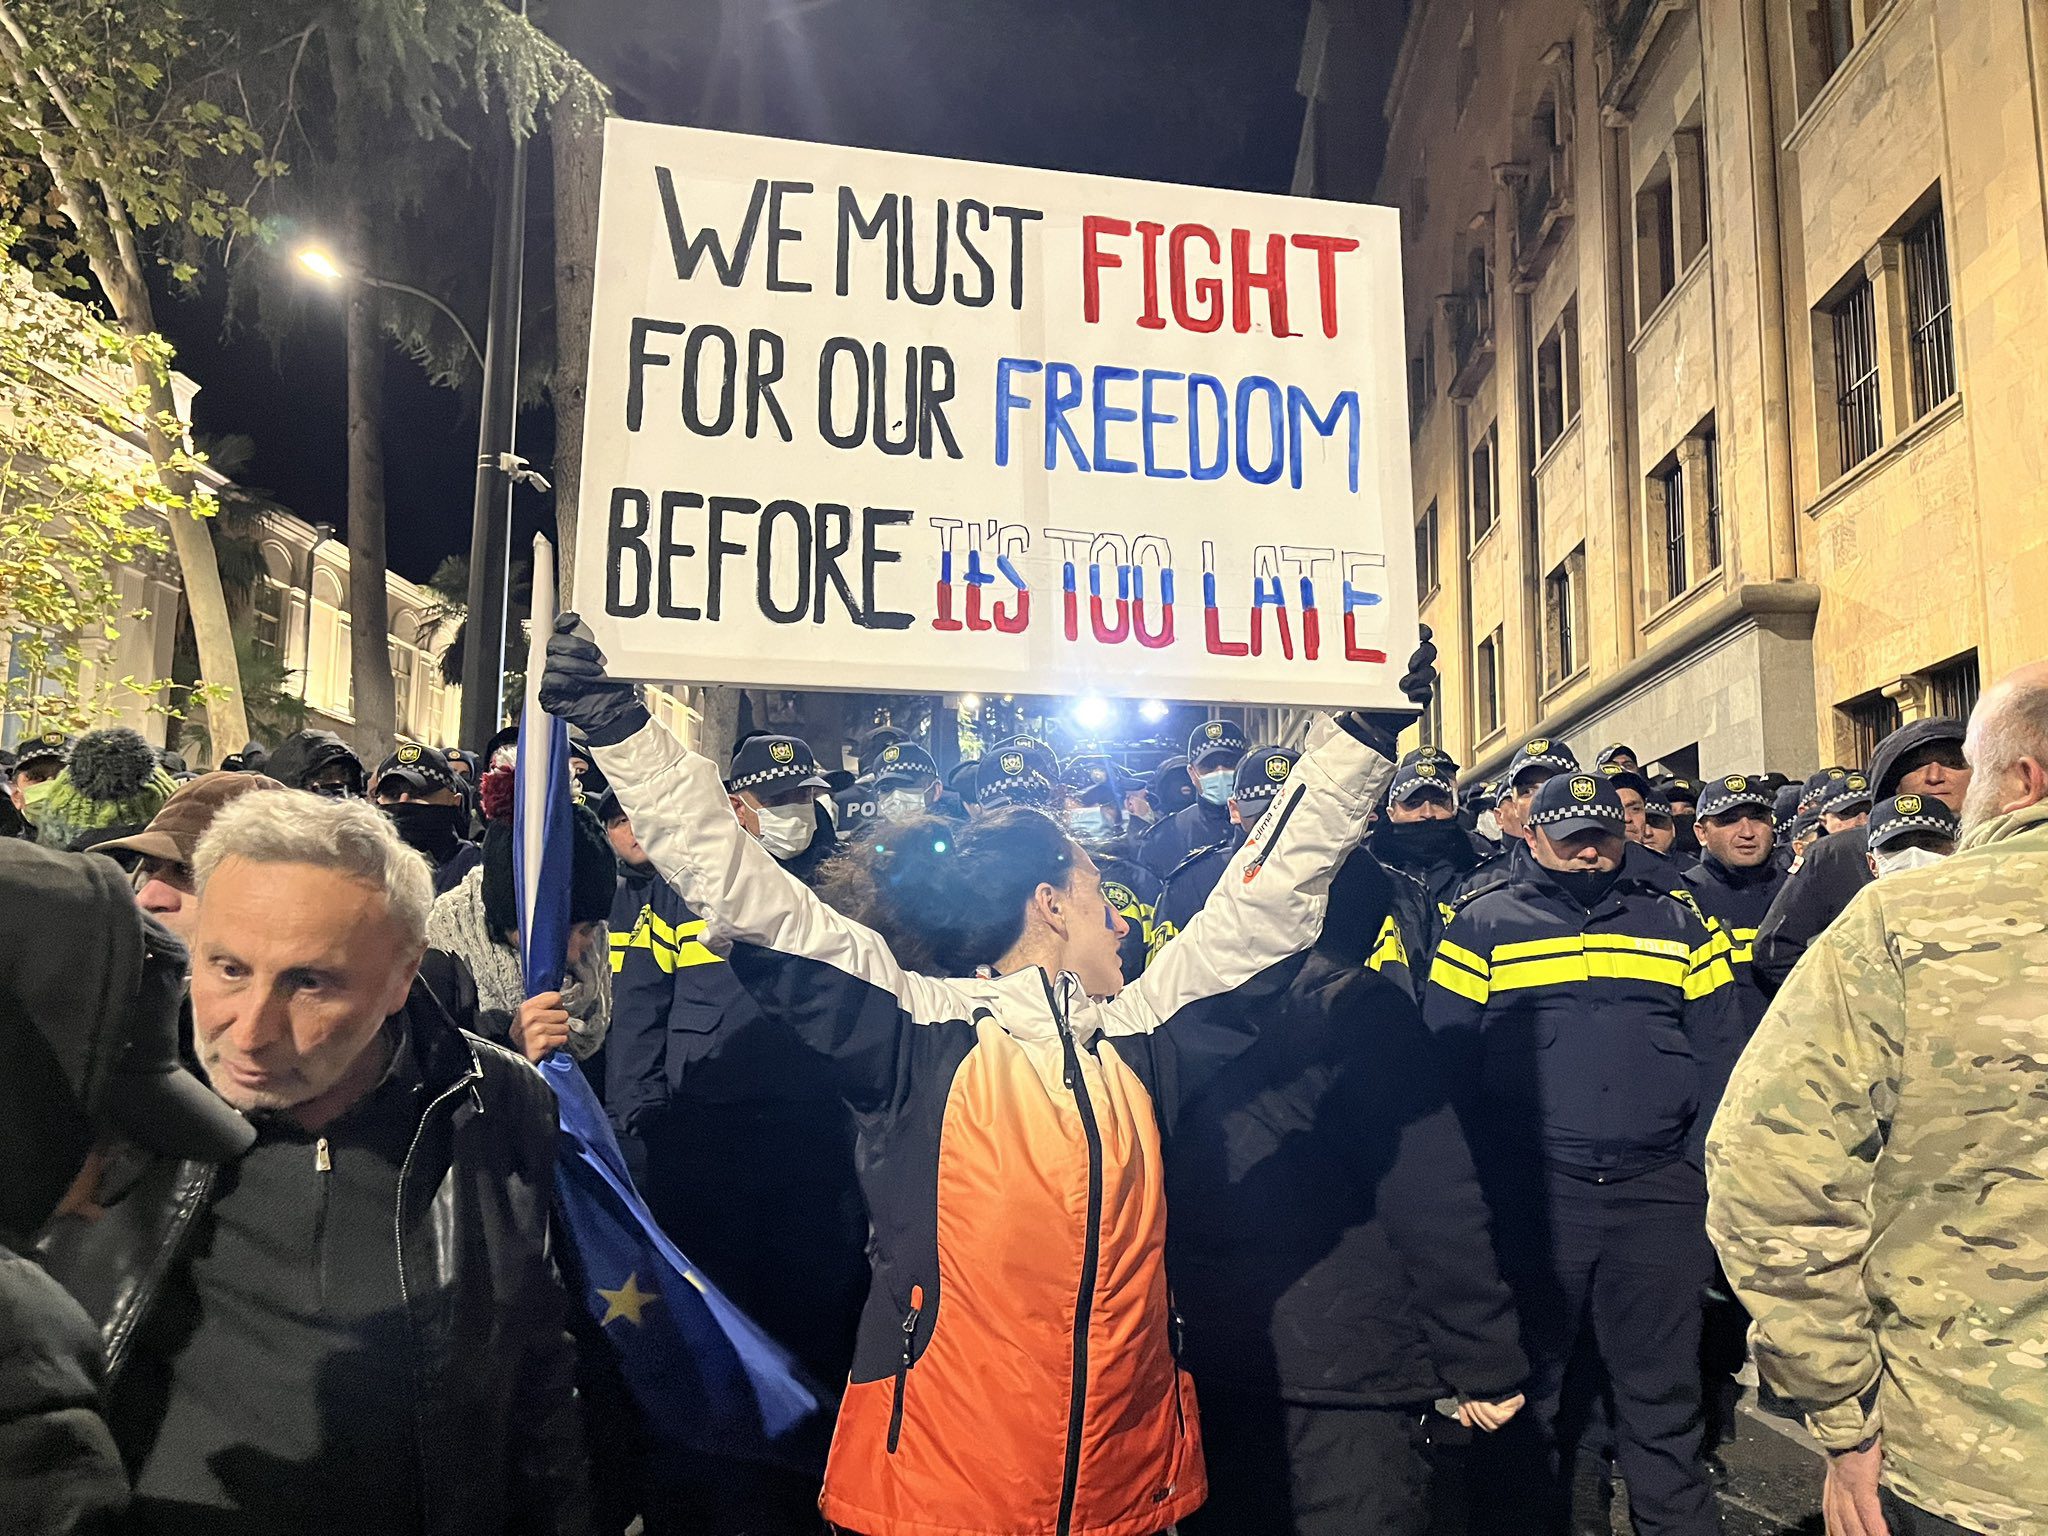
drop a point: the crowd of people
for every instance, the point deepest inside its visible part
(1289, 1140)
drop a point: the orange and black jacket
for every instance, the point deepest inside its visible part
(1015, 1371)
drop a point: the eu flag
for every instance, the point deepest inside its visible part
(705, 1377)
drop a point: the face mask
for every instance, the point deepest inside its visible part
(1420, 842)
(1586, 887)
(900, 805)
(787, 830)
(1216, 787)
(429, 828)
(1905, 858)
(1090, 823)
(1487, 825)
(33, 797)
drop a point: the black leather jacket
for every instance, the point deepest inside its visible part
(501, 1446)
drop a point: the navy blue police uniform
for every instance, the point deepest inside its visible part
(1737, 899)
(1540, 754)
(1589, 1028)
(1214, 746)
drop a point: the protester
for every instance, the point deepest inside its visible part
(317, 761)
(1877, 1172)
(353, 1326)
(1922, 758)
(89, 993)
(1910, 832)
(163, 851)
(1329, 1251)
(418, 789)
(472, 962)
(1419, 833)
(1215, 748)
(709, 1094)
(1587, 1015)
(110, 785)
(1255, 783)
(995, 1111)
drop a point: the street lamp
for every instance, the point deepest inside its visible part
(322, 265)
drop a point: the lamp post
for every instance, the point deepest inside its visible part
(322, 264)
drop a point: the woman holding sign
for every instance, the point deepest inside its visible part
(1016, 1369)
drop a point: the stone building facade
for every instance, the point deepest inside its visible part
(1722, 321)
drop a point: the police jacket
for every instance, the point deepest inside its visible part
(500, 1441)
(684, 1031)
(1013, 1371)
(1738, 899)
(1133, 890)
(1595, 1039)
(1440, 859)
(1167, 844)
(1813, 896)
(1329, 1240)
(1187, 886)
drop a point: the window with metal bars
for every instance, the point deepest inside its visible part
(1952, 688)
(1859, 420)
(1561, 617)
(1425, 553)
(1871, 717)
(1928, 321)
(1484, 489)
(1670, 480)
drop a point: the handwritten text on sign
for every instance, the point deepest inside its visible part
(863, 420)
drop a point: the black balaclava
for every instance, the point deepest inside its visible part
(1586, 887)
(1421, 844)
(435, 830)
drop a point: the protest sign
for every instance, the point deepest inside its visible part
(875, 421)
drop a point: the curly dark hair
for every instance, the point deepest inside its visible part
(949, 899)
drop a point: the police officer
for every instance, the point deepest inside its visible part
(1214, 750)
(41, 759)
(1418, 833)
(1535, 763)
(905, 782)
(1660, 830)
(1257, 779)
(1011, 773)
(1909, 832)
(1845, 804)
(738, 1134)
(1633, 790)
(1589, 1029)
(1619, 755)
(1096, 787)
(1684, 796)
(1737, 878)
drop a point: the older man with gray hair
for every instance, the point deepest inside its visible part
(1878, 1173)
(353, 1327)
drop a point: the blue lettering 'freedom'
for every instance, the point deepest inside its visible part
(1168, 426)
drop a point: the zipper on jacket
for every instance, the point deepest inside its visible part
(323, 1164)
(1091, 1257)
(1258, 860)
(903, 1366)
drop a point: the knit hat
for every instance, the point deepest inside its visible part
(112, 780)
(593, 867)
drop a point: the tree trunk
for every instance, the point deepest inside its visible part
(577, 138)
(718, 721)
(369, 610)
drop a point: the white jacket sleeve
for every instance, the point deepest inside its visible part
(1269, 902)
(684, 820)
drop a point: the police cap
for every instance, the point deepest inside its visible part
(771, 764)
(1903, 815)
(1733, 791)
(1212, 737)
(1576, 802)
(1427, 775)
(1261, 772)
(905, 762)
(1849, 794)
(1625, 778)
(1540, 752)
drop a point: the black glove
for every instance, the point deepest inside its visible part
(574, 687)
(1380, 729)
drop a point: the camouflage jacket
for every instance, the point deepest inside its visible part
(1878, 1180)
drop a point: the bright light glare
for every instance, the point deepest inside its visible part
(1153, 711)
(970, 703)
(319, 263)
(1091, 713)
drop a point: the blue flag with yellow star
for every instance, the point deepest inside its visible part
(705, 1378)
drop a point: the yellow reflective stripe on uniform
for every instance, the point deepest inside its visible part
(1524, 949)
(1742, 945)
(1445, 911)
(1389, 950)
(671, 948)
(1708, 978)
(1455, 978)
(1476, 964)
(1593, 965)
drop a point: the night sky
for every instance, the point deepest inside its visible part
(1198, 91)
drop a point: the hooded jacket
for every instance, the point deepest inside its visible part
(1878, 1183)
(64, 972)
(303, 754)
(1013, 1372)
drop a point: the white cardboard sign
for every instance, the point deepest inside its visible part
(876, 421)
